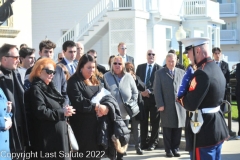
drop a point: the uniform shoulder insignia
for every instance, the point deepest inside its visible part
(193, 84)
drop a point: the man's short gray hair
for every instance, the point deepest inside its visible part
(171, 55)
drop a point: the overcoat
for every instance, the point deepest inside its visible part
(48, 126)
(10, 81)
(165, 90)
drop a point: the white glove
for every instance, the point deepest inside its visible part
(8, 123)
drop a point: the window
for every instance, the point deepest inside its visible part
(168, 33)
(224, 27)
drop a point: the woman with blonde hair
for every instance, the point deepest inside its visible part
(48, 123)
(122, 87)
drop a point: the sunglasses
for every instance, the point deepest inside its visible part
(115, 63)
(123, 48)
(14, 57)
(60, 58)
(48, 71)
(151, 54)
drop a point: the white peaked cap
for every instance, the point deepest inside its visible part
(192, 42)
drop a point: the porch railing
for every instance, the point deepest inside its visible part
(206, 8)
(227, 8)
(128, 5)
(228, 35)
(85, 23)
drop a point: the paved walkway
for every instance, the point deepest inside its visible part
(230, 151)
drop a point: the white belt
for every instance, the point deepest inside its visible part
(211, 110)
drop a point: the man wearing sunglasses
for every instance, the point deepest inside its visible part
(46, 49)
(122, 50)
(60, 56)
(69, 51)
(205, 94)
(146, 73)
(10, 83)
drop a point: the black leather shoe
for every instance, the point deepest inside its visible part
(169, 154)
(176, 154)
(139, 151)
(144, 147)
(151, 147)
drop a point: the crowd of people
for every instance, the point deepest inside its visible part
(39, 98)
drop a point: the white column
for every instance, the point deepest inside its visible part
(215, 37)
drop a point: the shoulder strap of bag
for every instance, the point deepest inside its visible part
(118, 88)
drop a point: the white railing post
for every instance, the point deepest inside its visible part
(207, 7)
(133, 6)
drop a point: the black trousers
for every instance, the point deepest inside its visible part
(149, 107)
(171, 139)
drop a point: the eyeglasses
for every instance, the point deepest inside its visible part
(48, 71)
(115, 63)
(123, 48)
(60, 58)
(14, 57)
(151, 54)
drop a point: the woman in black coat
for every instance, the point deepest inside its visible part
(81, 87)
(48, 117)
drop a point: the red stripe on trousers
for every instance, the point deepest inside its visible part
(198, 154)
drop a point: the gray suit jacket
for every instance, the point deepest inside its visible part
(165, 90)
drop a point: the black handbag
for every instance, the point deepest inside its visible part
(131, 106)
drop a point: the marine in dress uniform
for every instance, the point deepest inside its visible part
(205, 93)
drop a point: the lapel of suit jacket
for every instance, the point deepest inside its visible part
(144, 74)
(168, 74)
(63, 62)
(153, 71)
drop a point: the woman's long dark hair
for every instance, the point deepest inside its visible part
(84, 60)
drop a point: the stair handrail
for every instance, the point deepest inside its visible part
(78, 30)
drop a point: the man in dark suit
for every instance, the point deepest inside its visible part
(122, 50)
(217, 54)
(10, 83)
(146, 72)
(100, 68)
(70, 51)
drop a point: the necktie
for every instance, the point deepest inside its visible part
(148, 76)
(171, 73)
(72, 69)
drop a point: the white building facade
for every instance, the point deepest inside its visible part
(229, 32)
(141, 24)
